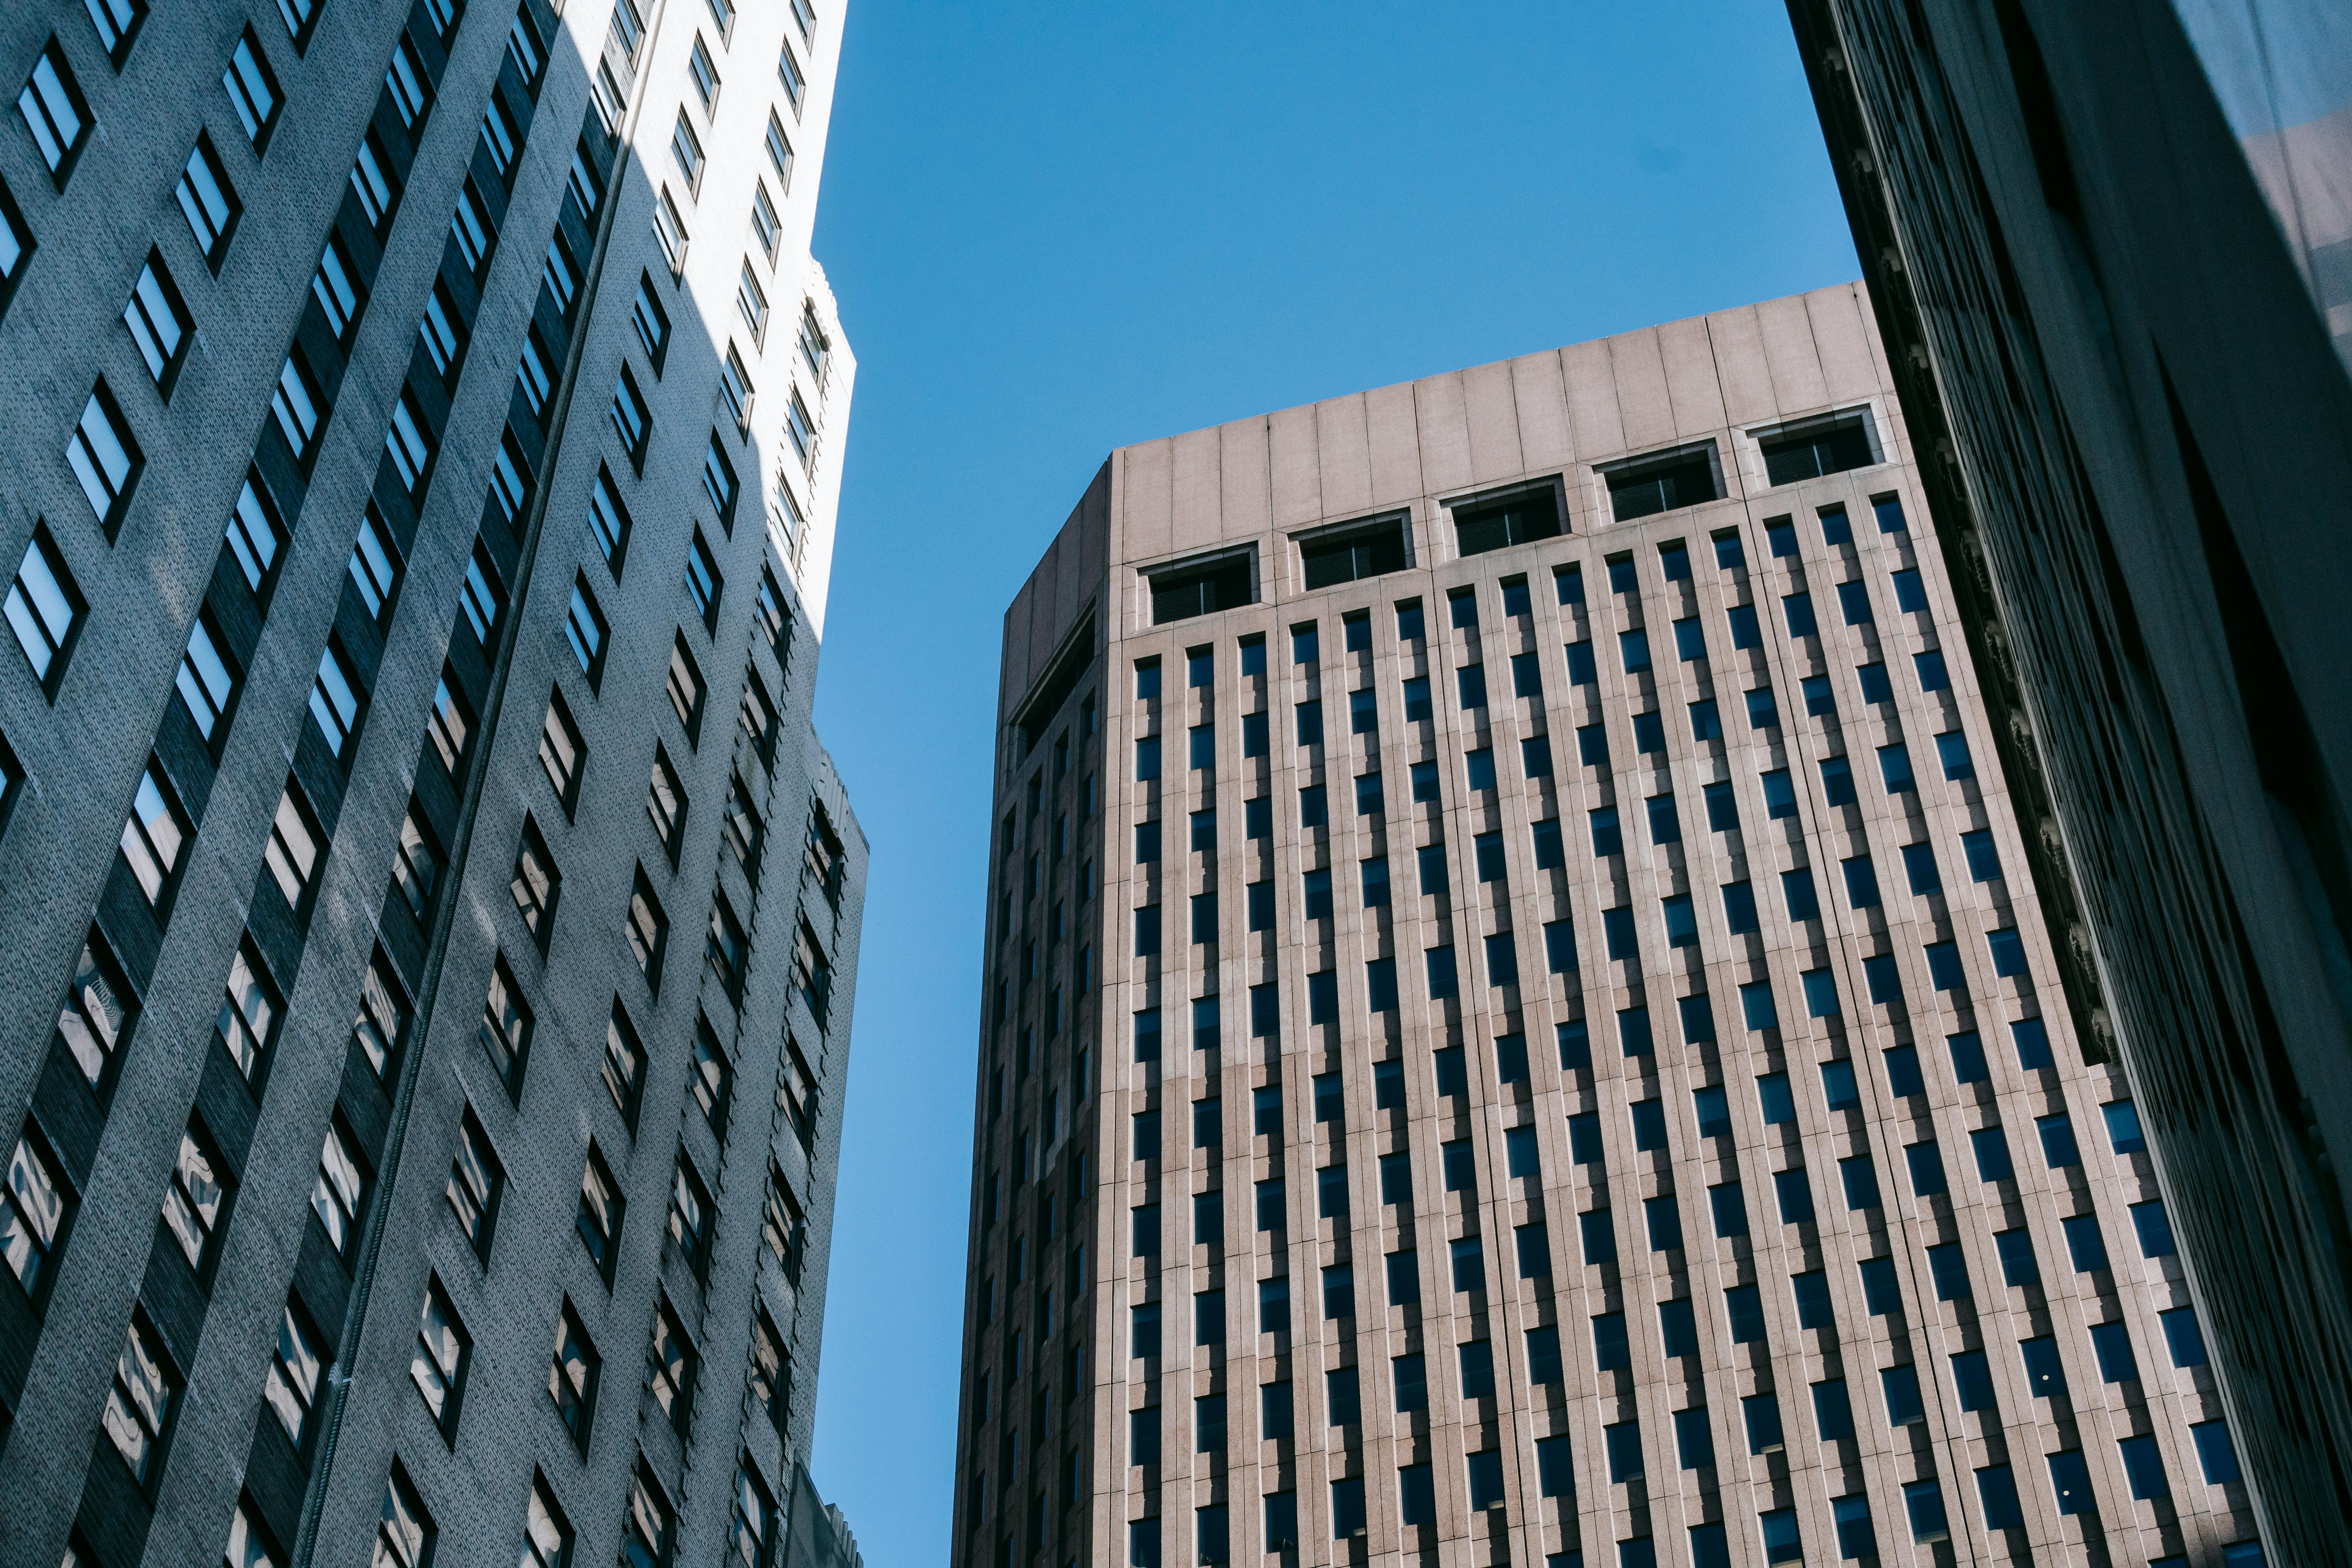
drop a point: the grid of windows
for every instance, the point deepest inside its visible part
(1691, 1036)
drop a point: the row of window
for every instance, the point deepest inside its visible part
(1441, 978)
(686, 152)
(1742, 625)
(1858, 873)
(1858, 1174)
(406, 1535)
(1972, 1386)
(1465, 1257)
(1592, 751)
(1639, 487)
(1480, 777)
(1661, 1219)
(1925, 1517)
(45, 606)
(1921, 872)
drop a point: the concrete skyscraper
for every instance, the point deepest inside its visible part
(1519, 1020)
(430, 919)
(2111, 248)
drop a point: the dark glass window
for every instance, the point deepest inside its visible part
(1200, 591)
(1353, 554)
(1662, 484)
(1810, 454)
(1513, 520)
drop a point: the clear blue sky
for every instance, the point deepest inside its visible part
(1057, 228)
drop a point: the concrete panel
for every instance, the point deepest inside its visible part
(1245, 472)
(1747, 394)
(1439, 412)
(1343, 439)
(1395, 438)
(1687, 353)
(1297, 487)
(1541, 397)
(1197, 486)
(1147, 503)
(1798, 384)
(1637, 367)
(1848, 348)
(1493, 423)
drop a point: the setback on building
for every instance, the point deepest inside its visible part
(1844, 440)
(1515, 517)
(1366, 548)
(1663, 481)
(1202, 585)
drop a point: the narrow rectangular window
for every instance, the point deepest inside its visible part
(780, 152)
(292, 853)
(583, 629)
(209, 202)
(410, 442)
(404, 1533)
(632, 421)
(559, 748)
(665, 803)
(437, 1367)
(766, 227)
(383, 1020)
(735, 388)
(624, 1065)
(648, 929)
(536, 884)
(572, 1379)
(105, 459)
(335, 700)
(292, 1388)
(249, 1014)
(54, 112)
(253, 90)
(139, 1406)
(718, 483)
(498, 138)
(192, 1204)
(374, 565)
(602, 1209)
(752, 301)
(477, 1182)
(686, 690)
(45, 609)
(704, 74)
(651, 322)
(206, 681)
(505, 1029)
(788, 71)
(117, 22)
(335, 1196)
(155, 833)
(560, 273)
(159, 323)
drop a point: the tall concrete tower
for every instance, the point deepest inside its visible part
(431, 920)
(1519, 1024)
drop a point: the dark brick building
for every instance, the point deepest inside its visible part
(430, 920)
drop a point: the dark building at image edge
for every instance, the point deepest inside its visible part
(2111, 255)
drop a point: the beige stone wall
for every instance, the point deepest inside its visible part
(1418, 449)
